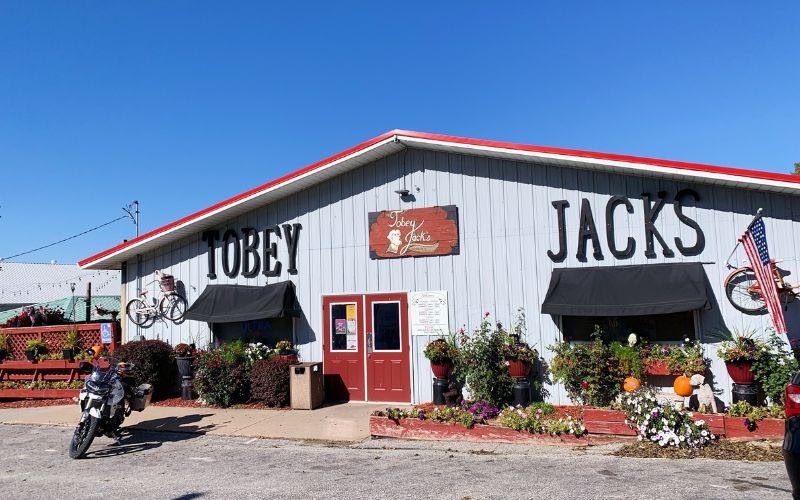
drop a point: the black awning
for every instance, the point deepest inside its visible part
(627, 290)
(228, 303)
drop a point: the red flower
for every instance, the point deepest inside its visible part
(584, 385)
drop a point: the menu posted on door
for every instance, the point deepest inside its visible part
(428, 313)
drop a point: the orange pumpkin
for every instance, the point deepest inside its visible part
(631, 384)
(682, 386)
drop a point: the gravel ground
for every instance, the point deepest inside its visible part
(34, 464)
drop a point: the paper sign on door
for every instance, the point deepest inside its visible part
(352, 339)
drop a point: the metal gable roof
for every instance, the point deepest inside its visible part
(395, 140)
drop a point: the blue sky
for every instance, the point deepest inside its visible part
(181, 104)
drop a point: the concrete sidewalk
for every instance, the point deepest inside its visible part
(347, 422)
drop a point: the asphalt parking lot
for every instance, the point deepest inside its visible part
(34, 464)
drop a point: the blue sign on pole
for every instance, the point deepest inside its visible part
(105, 333)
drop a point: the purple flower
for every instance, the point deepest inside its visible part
(746, 423)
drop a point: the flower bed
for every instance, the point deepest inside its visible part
(411, 428)
(602, 426)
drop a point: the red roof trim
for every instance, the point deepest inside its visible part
(697, 167)
(234, 199)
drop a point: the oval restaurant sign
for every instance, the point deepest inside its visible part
(418, 232)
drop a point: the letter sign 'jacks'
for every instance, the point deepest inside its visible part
(650, 231)
(612, 243)
(700, 241)
(560, 206)
(587, 230)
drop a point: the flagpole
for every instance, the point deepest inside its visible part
(739, 242)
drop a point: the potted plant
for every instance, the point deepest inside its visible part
(738, 354)
(441, 354)
(33, 348)
(686, 359)
(285, 350)
(3, 346)
(655, 358)
(519, 358)
(70, 343)
(184, 357)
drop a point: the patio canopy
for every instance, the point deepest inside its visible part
(228, 303)
(627, 290)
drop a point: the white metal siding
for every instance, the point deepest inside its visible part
(506, 225)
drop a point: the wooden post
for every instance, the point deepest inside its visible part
(88, 301)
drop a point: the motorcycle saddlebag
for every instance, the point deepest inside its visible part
(141, 397)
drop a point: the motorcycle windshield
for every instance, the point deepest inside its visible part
(104, 369)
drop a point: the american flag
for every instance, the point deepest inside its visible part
(754, 241)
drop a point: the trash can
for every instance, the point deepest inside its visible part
(306, 387)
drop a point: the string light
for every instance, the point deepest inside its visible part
(26, 290)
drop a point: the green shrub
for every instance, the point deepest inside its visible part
(222, 377)
(269, 381)
(773, 367)
(628, 359)
(483, 366)
(153, 363)
(590, 372)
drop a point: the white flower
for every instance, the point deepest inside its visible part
(632, 339)
(704, 433)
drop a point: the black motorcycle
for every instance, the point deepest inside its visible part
(108, 396)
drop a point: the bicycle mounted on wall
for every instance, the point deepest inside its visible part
(170, 304)
(742, 288)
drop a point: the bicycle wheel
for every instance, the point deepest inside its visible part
(137, 311)
(172, 306)
(743, 293)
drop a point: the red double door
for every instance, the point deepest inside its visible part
(366, 348)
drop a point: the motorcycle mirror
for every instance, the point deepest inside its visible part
(85, 367)
(90, 352)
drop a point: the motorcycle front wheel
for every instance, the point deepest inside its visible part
(83, 437)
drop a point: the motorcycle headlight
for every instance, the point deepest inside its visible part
(97, 388)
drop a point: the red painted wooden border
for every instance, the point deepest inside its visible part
(602, 426)
(409, 428)
(38, 393)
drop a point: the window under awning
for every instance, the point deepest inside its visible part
(627, 290)
(229, 303)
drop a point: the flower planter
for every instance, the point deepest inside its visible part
(659, 367)
(3, 354)
(518, 369)
(740, 372)
(30, 355)
(291, 358)
(441, 370)
(68, 353)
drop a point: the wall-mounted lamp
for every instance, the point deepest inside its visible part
(403, 192)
